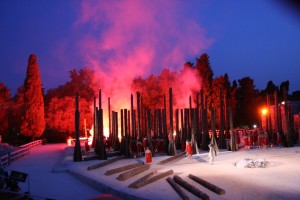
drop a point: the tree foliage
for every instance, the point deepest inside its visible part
(60, 114)
(33, 122)
(206, 73)
(248, 103)
(82, 81)
(4, 108)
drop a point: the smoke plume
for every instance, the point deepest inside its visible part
(126, 39)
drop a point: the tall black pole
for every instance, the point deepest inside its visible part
(77, 151)
(172, 149)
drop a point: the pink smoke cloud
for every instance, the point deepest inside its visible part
(126, 39)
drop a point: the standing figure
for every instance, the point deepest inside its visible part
(189, 149)
(213, 150)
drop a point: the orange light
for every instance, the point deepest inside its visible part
(264, 111)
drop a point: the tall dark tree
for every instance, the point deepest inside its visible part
(33, 121)
(286, 85)
(248, 107)
(204, 69)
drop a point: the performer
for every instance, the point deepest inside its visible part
(213, 150)
(189, 149)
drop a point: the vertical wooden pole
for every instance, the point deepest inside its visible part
(138, 97)
(205, 138)
(232, 136)
(172, 149)
(222, 141)
(77, 151)
(276, 111)
(109, 118)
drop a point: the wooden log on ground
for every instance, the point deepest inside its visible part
(191, 188)
(121, 169)
(107, 162)
(154, 178)
(207, 184)
(133, 185)
(171, 158)
(126, 175)
(179, 191)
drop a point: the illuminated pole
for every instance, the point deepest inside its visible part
(172, 150)
(77, 151)
(138, 99)
(232, 136)
(109, 119)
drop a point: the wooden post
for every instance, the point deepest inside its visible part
(159, 123)
(101, 152)
(138, 97)
(77, 151)
(213, 124)
(176, 187)
(126, 175)
(172, 149)
(177, 139)
(232, 136)
(142, 179)
(109, 118)
(121, 169)
(276, 111)
(191, 188)
(95, 129)
(152, 179)
(205, 138)
(289, 141)
(207, 184)
(133, 134)
(222, 141)
(149, 132)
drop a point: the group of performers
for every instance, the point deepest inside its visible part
(258, 139)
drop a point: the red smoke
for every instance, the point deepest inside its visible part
(126, 39)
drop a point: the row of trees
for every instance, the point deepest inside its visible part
(31, 112)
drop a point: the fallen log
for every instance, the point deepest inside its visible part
(121, 169)
(191, 188)
(207, 184)
(179, 191)
(154, 178)
(133, 185)
(171, 158)
(107, 162)
(126, 175)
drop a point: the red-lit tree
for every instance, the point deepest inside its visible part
(82, 81)
(33, 121)
(4, 106)
(206, 74)
(60, 114)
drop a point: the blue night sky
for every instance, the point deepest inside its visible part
(259, 39)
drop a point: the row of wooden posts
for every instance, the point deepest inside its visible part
(289, 133)
(140, 123)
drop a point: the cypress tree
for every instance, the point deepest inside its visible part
(33, 121)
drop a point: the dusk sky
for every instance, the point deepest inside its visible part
(259, 38)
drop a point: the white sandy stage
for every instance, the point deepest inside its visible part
(280, 179)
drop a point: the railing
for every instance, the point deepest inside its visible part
(18, 154)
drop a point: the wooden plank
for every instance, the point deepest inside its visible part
(176, 187)
(155, 178)
(107, 162)
(207, 184)
(191, 188)
(121, 169)
(126, 175)
(133, 185)
(171, 158)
